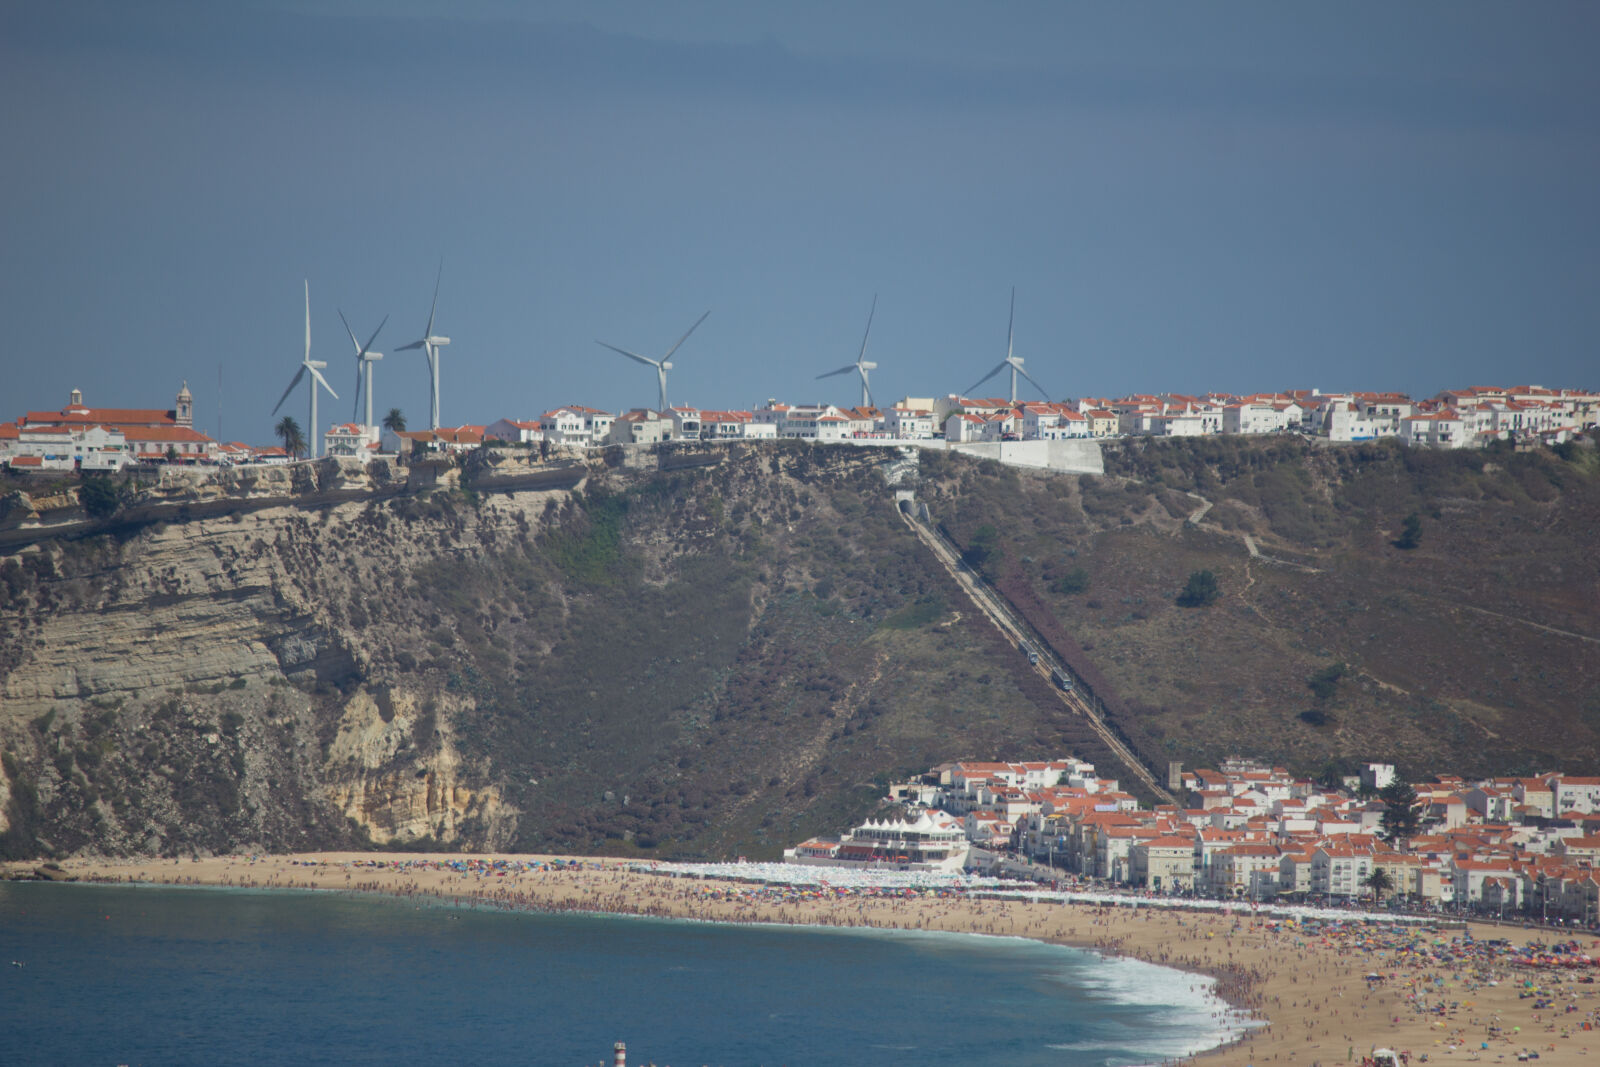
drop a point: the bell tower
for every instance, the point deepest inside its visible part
(183, 414)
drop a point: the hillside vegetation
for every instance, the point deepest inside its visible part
(1475, 651)
(725, 657)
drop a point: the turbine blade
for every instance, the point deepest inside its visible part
(315, 373)
(1028, 376)
(301, 373)
(868, 334)
(846, 369)
(308, 318)
(366, 347)
(647, 361)
(351, 332)
(435, 307)
(355, 410)
(1011, 323)
(411, 346)
(685, 336)
(1002, 365)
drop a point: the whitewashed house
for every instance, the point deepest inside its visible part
(515, 431)
(964, 426)
(1439, 429)
(641, 426)
(909, 424)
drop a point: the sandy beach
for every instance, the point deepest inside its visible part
(1435, 996)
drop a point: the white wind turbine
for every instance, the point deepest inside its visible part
(862, 364)
(365, 358)
(661, 365)
(431, 343)
(1011, 361)
(315, 366)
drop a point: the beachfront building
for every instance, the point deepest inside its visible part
(1340, 870)
(1165, 863)
(1247, 870)
(931, 841)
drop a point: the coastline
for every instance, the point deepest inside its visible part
(1306, 985)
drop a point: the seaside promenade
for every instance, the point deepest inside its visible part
(1321, 990)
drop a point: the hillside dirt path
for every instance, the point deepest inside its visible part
(1197, 516)
(1530, 622)
(812, 753)
(1200, 512)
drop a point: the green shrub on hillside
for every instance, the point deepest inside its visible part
(1325, 682)
(1071, 583)
(1201, 590)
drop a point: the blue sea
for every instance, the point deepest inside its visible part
(146, 975)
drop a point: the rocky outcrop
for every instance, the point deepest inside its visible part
(393, 769)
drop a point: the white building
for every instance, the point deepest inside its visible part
(1340, 870)
(1249, 417)
(515, 431)
(563, 426)
(909, 424)
(685, 423)
(641, 426)
(1440, 429)
(964, 426)
(350, 439)
(1575, 796)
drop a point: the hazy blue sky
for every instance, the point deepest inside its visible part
(1187, 196)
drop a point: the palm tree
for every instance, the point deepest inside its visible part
(395, 421)
(1379, 882)
(288, 431)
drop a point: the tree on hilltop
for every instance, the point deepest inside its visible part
(288, 431)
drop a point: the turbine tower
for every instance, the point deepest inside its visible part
(1014, 362)
(315, 366)
(661, 365)
(365, 358)
(431, 343)
(862, 364)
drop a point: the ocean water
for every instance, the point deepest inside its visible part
(144, 975)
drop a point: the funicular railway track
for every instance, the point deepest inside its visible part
(999, 612)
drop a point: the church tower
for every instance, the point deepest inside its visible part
(184, 412)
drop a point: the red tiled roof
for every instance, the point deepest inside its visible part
(80, 416)
(162, 433)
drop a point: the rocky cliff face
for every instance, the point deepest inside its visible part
(219, 682)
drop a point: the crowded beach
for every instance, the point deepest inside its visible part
(1302, 986)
